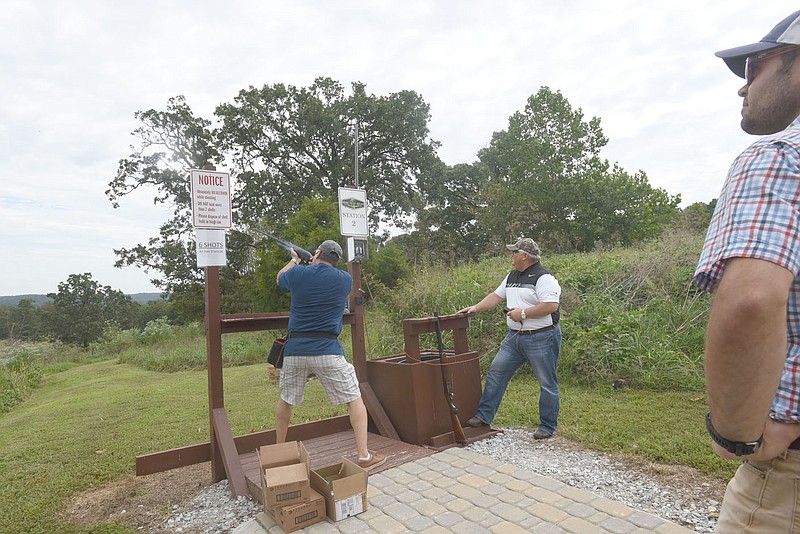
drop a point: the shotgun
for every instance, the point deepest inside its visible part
(288, 246)
(447, 381)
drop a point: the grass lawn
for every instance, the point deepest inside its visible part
(86, 425)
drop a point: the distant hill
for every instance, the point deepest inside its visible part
(13, 300)
(141, 298)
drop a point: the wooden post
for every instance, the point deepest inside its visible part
(214, 365)
(357, 330)
(225, 461)
(373, 405)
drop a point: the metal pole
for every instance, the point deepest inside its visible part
(356, 158)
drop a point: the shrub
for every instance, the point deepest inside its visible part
(627, 313)
(19, 375)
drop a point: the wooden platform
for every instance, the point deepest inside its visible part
(329, 449)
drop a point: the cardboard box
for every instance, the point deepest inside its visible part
(296, 516)
(344, 487)
(284, 474)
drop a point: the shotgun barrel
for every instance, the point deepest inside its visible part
(288, 246)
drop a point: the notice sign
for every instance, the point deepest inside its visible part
(210, 248)
(353, 212)
(211, 199)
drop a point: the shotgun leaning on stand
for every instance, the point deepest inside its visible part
(447, 381)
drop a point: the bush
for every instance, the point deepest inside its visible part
(19, 375)
(183, 348)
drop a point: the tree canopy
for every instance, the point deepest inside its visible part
(282, 144)
(542, 177)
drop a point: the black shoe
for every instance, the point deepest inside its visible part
(475, 422)
(540, 433)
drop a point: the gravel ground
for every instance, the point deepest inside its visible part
(215, 511)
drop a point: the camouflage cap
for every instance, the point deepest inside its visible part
(528, 245)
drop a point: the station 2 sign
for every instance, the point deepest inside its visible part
(353, 212)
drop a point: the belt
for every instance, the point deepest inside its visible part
(326, 335)
(529, 332)
(795, 444)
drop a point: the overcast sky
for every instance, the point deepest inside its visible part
(74, 73)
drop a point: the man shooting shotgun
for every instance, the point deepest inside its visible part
(319, 293)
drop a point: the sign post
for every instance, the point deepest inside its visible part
(211, 216)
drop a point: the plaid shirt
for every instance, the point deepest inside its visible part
(758, 216)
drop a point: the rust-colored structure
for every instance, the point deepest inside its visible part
(404, 396)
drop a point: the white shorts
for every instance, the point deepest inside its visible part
(334, 372)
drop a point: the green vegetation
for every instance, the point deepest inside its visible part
(80, 417)
(629, 313)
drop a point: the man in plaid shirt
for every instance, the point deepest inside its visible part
(751, 260)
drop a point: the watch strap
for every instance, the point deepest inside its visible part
(739, 448)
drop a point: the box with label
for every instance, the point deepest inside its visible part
(344, 487)
(284, 474)
(297, 516)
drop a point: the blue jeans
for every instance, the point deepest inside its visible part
(540, 350)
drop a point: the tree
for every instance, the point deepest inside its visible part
(447, 227)
(23, 321)
(26, 320)
(288, 143)
(172, 142)
(83, 308)
(549, 182)
(387, 265)
(696, 217)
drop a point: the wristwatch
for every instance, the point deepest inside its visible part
(739, 448)
(522, 314)
(295, 261)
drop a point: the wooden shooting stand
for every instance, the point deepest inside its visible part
(410, 389)
(403, 394)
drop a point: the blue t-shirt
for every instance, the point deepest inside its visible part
(319, 296)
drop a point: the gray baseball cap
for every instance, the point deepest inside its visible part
(331, 249)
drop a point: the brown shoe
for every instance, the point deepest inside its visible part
(475, 422)
(540, 433)
(374, 461)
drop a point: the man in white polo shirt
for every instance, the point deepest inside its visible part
(532, 294)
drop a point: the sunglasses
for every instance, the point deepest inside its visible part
(751, 62)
